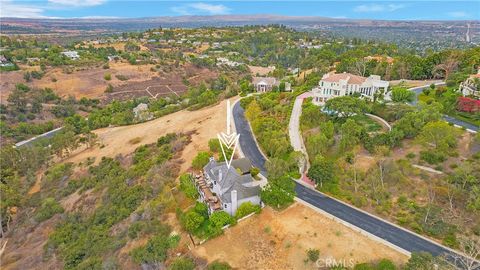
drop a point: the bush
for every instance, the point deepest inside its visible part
(432, 157)
(107, 76)
(200, 160)
(386, 264)
(187, 186)
(48, 209)
(254, 171)
(182, 263)
(247, 208)
(313, 254)
(217, 265)
(109, 89)
(121, 77)
(154, 251)
(220, 219)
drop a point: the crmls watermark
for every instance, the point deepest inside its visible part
(327, 263)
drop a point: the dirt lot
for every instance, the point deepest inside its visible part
(279, 240)
(160, 85)
(206, 123)
(262, 71)
(89, 81)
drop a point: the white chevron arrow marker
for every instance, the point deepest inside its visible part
(228, 140)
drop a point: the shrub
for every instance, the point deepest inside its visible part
(247, 208)
(254, 171)
(48, 209)
(313, 254)
(220, 219)
(107, 76)
(109, 89)
(187, 186)
(182, 263)
(154, 251)
(217, 265)
(386, 264)
(432, 157)
(200, 160)
(121, 77)
(411, 155)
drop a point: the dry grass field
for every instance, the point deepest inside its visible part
(279, 240)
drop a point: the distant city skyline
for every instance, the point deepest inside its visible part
(376, 10)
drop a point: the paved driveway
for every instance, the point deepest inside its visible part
(380, 228)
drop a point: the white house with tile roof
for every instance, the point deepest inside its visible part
(342, 84)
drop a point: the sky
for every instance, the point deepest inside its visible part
(383, 10)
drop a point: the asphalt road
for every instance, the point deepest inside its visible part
(399, 237)
(447, 118)
(247, 141)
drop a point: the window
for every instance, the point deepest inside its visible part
(225, 206)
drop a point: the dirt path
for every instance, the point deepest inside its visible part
(206, 123)
(275, 240)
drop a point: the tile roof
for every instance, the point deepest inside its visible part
(266, 80)
(352, 79)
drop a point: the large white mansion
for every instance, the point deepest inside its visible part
(341, 84)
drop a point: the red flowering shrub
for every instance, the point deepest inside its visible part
(465, 104)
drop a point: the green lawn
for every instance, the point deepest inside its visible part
(370, 124)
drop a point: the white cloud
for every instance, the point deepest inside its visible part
(201, 8)
(378, 7)
(10, 9)
(77, 3)
(458, 14)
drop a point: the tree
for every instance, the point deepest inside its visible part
(440, 135)
(423, 261)
(192, 221)
(279, 192)
(470, 247)
(253, 110)
(322, 172)
(402, 94)
(200, 160)
(346, 106)
(351, 133)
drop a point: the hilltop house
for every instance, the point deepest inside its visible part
(341, 84)
(471, 86)
(226, 188)
(264, 84)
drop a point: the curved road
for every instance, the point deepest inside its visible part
(397, 236)
(247, 141)
(447, 118)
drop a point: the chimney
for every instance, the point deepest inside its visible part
(234, 201)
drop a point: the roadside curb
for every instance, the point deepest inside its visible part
(383, 220)
(355, 228)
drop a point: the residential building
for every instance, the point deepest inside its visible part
(71, 54)
(264, 84)
(225, 188)
(471, 86)
(342, 84)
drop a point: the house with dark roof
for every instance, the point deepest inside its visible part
(225, 187)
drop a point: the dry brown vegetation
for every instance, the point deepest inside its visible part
(279, 240)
